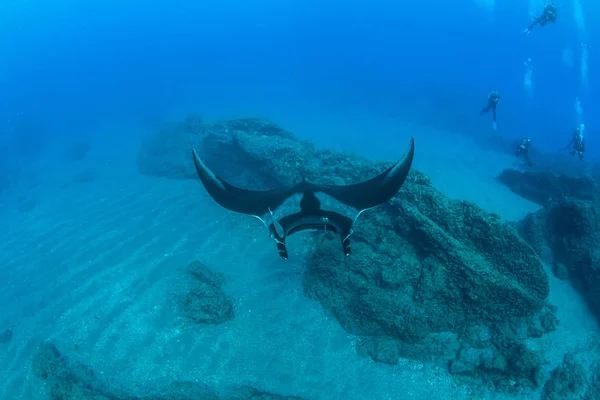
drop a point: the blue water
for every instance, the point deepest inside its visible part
(109, 72)
(69, 65)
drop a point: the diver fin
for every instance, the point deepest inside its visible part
(377, 190)
(250, 202)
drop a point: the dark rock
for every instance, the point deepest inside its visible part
(66, 381)
(84, 177)
(568, 381)
(545, 187)
(428, 275)
(77, 151)
(566, 235)
(6, 336)
(206, 303)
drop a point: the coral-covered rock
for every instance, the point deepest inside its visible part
(566, 235)
(545, 187)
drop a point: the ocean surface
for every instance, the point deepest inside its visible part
(92, 252)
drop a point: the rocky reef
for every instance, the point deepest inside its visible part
(544, 187)
(430, 278)
(566, 234)
(74, 381)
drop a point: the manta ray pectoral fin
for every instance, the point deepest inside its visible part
(377, 190)
(250, 202)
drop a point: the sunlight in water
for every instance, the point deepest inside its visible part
(528, 79)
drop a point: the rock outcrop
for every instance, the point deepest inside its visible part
(430, 278)
(73, 381)
(545, 187)
(566, 234)
(205, 302)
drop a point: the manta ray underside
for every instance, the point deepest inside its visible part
(263, 204)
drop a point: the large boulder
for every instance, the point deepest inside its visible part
(545, 187)
(438, 280)
(566, 234)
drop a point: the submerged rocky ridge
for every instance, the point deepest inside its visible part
(430, 278)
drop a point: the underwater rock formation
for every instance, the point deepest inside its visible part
(567, 381)
(430, 278)
(566, 235)
(205, 302)
(545, 187)
(167, 154)
(439, 280)
(67, 381)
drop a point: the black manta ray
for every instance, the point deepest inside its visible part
(262, 203)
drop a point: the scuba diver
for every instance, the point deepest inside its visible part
(523, 150)
(493, 100)
(548, 15)
(578, 142)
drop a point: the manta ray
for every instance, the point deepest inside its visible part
(263, 204)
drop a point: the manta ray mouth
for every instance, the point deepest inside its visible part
(359, 196)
